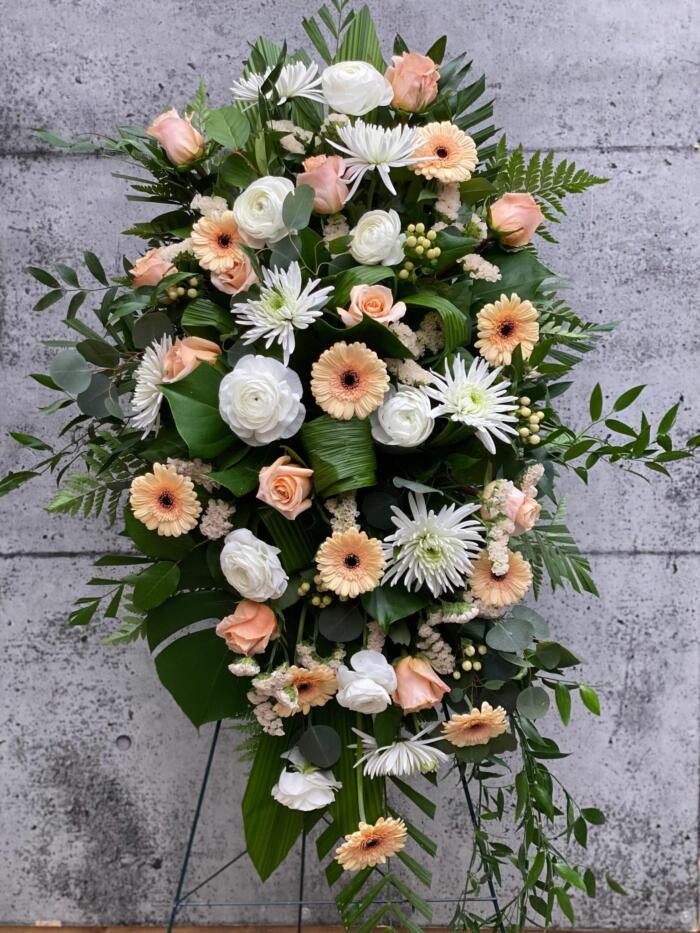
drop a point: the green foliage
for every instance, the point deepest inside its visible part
(194, 403)
(340, 453)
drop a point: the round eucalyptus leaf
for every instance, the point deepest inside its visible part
(70, 371)
(92, 401)
(320, 746)
(151, 327)
(533, 702)
(511, 636)
(341, 622)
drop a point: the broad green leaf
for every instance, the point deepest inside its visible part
(361, 43)
(533, 702)
(341, 454)
(228, 126)
(183, 609)
(375, 335)
(98, 352)
(243, 477)
(297, 540)
(565, 904)
(41, 275)
(358, 275)
(296, 210)
(455, 322)
(521, 272)
(204, 313)
(155, 584)
(95, 401)
(67, 274)
(476, 189)
(615, 886)
(50, 298)
(387, 604)
(70, 371)
(341, 622)
(194, 402)
(150, 327)
(590, 698)
(539, 626)
(236, 170)
(154, 545)
(320, 746)
(570, 875)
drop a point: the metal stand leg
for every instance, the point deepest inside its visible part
(300, 909)
(177, 901)
(489, 877)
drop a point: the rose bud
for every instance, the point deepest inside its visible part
(181, 141)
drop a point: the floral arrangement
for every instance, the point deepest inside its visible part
(322, 407)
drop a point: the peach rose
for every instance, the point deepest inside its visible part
(186, 355)
(323, 174)
(238, 278)
(418, 686)
(249, 630)
(376, 301)
(414, 78)
(522, 510)
(515, 217)
(150, 269)
(181, 141)
(286, 488)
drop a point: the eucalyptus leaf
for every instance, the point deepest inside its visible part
(341, 622)
(512, 636)
(70, 371)
(320, 746)
(533, 702)
(297, 206)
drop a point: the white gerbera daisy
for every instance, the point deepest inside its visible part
(412, 755)
(369, 147)
(429, 549)
(283, 307)
(473, 399)
(294, 80)
(147, 397)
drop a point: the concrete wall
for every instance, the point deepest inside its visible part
(99, 770)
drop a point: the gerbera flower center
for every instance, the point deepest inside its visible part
(442, 152)
(371, 843)
(351, 561)
(166, 500)
(224, 240)
(349, 379)
(506, 328)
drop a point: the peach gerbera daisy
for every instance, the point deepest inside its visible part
(314, 688)
(216, 242)
(350, 563)
(477, 727)
(372, 844)
(446, 153)
(504, 325)
(492, 590)
(165, 501)
(349, 380)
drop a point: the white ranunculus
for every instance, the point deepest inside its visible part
(404, 419)
(377, 238)
(303, 787)
(258, 210)
(252, 566)
(368, 687)
(355, 88)
(260, 400)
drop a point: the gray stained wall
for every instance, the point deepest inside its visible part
(99, 769)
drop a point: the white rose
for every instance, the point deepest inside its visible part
(404, 419)
(252, 566)
(355, 88)
(377, 238)
(368, 687)
(260, 400)
(304, 787)
(258, 210)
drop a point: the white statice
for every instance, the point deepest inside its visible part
(448, 201)
(355, 88)
(403, 758)
(431, 549)
(408, 372)
(303, 786)
(368, 147)
(258, 210)
(215, 524)
(479, 268)
(335, 227)
(284, 305)
(367, 688)
(205, 204)
(244, 667)
(477, 228)
(377, 238)
(294, 80)
(147, 397)
(473, 397)
(296, 139)
(252, 566)
(404, 419)
(197, 470)
(433, 646)
(170, 252)
(260, 400)
(343, 511)
(530, 479)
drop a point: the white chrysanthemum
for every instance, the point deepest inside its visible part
(294, 80)
(147, 397)
(429, 549)
(472, 399)
(413, 755)
(369, 147)
(283, 307)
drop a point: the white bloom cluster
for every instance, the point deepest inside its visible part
(435, 648)
(208, 205)
(430, 334)
(404, 419)
(457, 613)
(448, 201)
(215, 524)
(244, 667)
(296, 139)
(335, 227)
(344, 512)
(408, 372)
(530, 479)
(197, 470)
(307, 657)
(266, 691)
(375, 636)
(480, 268)
(477, 228)
(404, 757)
(170, 252)
(260, 400)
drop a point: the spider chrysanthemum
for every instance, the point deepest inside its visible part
(165, 501)
(350, 563)
(403, 758)
(445, 152)
(216, 241)
(473, 397)
(349, 380)
(476, 727)
(368, 148)
(284, 305)
(505, 325)
(372, 844)
(294, 80)
(503, 590)
(433, 549)
(147, 397)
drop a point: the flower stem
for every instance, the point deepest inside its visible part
(358, 773)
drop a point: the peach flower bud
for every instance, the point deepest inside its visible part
(150, 269)
(515, 217)
(239, 277)
(186, 355)
(376, 301)
(418, 686)
(414, 78)
(286, 488)
(323, 174)
(249, 630)
(181, 141)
